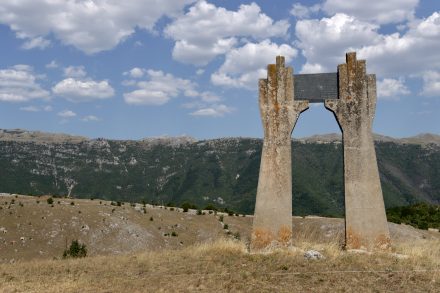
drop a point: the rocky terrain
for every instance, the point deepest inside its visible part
(31, 228)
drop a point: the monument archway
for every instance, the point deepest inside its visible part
(350, 94)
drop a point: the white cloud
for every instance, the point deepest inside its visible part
(19, 84)
(159, 89)
(81, 91)
(30, 109)
(90, 118)
(244, 66)
(38, 42)
(66, 114)
(300, 11)
(324, 42)
(207, 31)
(90, 26)
(431, 83)
(213, 111)
(378, 11)
(36, 108)
(74, 71)
(412, 53)
(391, 89)
(136, 72)
(53, 64)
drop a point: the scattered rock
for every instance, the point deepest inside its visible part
(400, 256)
(358, 251)
(313, 254)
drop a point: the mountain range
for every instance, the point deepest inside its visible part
(219, 172)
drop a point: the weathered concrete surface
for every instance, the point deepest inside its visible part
(365, 218)
(279, 111)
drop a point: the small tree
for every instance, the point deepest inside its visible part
(50, 200)
(75, 250)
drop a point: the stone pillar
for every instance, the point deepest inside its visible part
(366, 224)
(272, 224)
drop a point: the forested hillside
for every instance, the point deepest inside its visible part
(221, 172)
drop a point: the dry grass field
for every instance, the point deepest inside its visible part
(136, 256)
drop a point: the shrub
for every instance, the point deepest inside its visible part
(221, 218)
(185, 206)
(50, 200)
(225, 226)
(151, 219)
(199, 212)
(118, 203)
(174, 234)
(72, 203)
(210, 207)
(75, 250)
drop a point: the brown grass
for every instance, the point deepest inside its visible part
(226, 266)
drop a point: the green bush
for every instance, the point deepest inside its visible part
(50, 200)
(421, 215)
(75, 250)
(186, 206)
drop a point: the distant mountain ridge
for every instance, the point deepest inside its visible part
(222, 172)
(38, 136)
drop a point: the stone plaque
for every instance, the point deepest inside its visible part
(316, 88)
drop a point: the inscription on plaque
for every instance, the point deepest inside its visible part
(315, 88)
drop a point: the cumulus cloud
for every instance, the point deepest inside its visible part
(90, 26)
(135, 72)
(159, 89)
(414, 52)
(245, 65)
(76, 90)
(66, 114)
(301, 11)
(38, 42)
(378, 11)
(90, 118)
(324, 42)
(431, 83)
(391, 89)
(74, 71)
(207, 31)
(213, 111)
(19, 83)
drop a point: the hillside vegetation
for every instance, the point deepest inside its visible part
(220, 172)
(422, 216)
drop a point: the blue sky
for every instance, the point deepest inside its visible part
(142, 68)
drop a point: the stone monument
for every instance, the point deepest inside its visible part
(351, 95)
(279, 112)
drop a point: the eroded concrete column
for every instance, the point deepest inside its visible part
(279, 111)
(365, 219)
